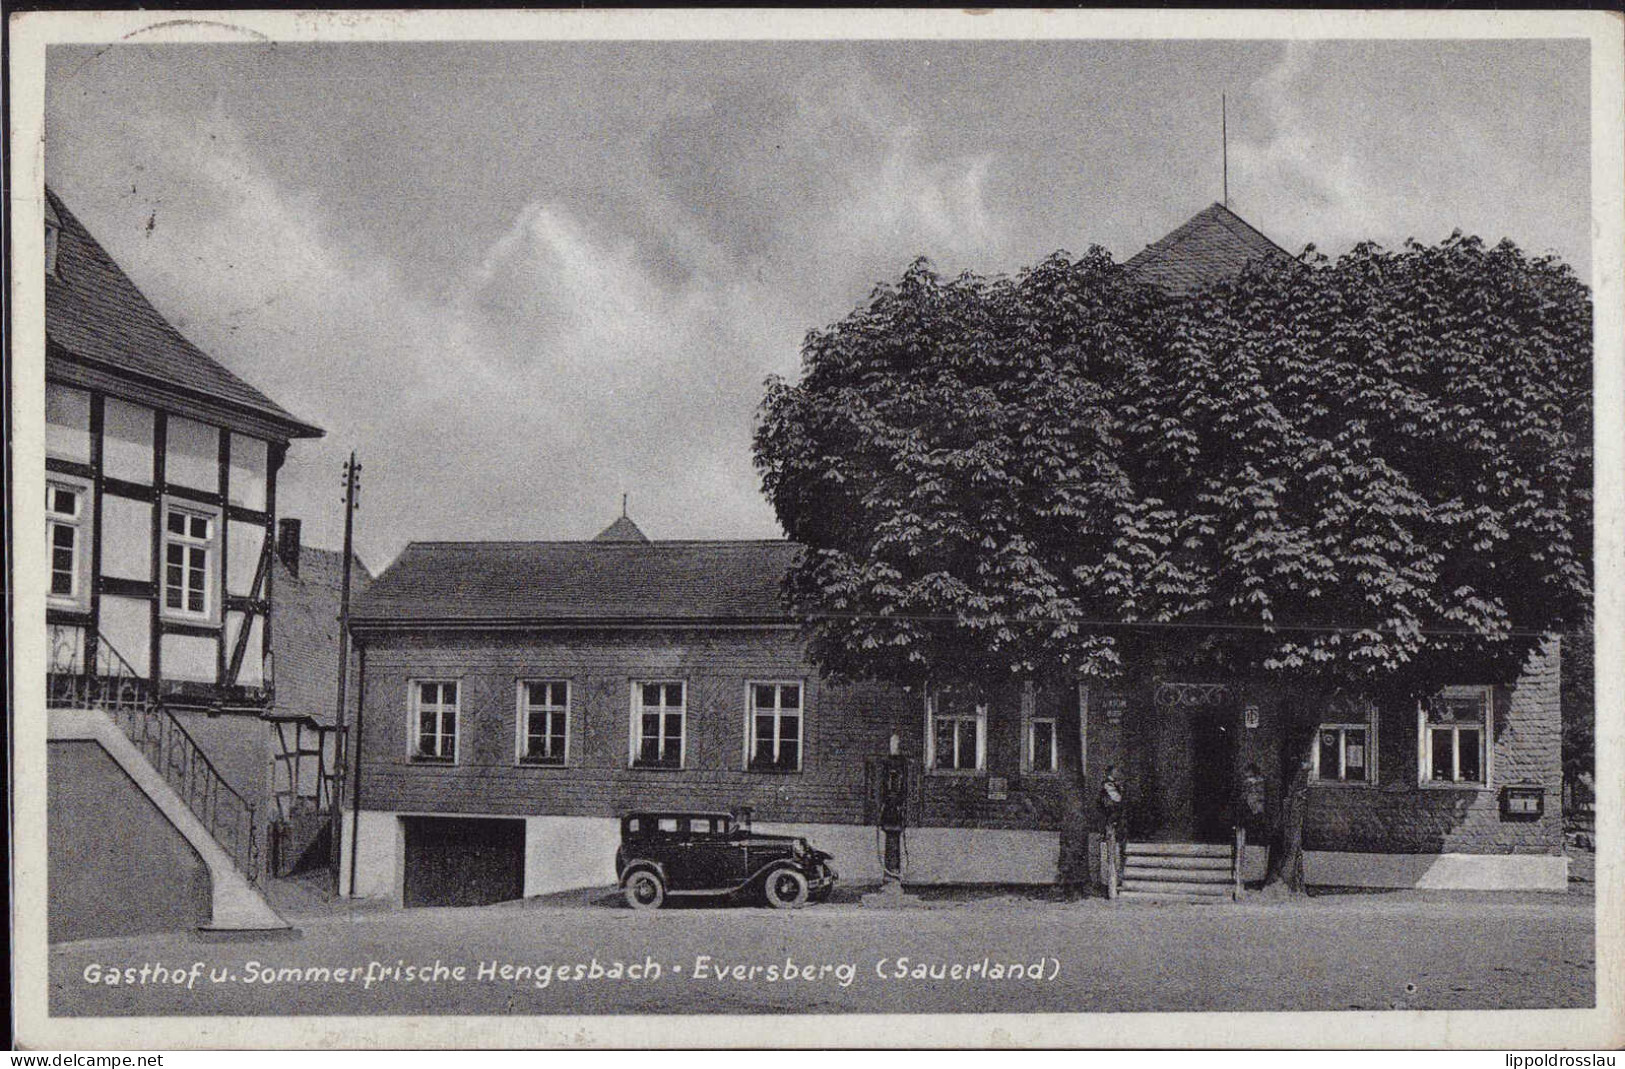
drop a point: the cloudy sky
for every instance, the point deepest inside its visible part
(521, 279)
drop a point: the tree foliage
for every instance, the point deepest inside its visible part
(1362, 472)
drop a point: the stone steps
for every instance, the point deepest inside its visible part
(1181, 864)
(1167, 895)
(1177, 872)
(1142, 849)
(1203, 876)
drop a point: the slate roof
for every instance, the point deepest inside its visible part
(622, 530)
(1215, 244)
(97, 315)
(464, 583)
(305, 632)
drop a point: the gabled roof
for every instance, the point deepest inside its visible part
(552, 583)
(305, 630)
(97, 315)
(1215, 244)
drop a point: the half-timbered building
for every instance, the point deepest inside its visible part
(160, 494)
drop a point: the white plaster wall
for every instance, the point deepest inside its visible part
(248, 464)
(1440, 872)
(127, 441)
(381, 860)
(126, 538)
(126, 623)
(251, 672)
(244, 541)
(67, 423)
(188, 657)
(192, 454)
(937, 855)
(564, 853)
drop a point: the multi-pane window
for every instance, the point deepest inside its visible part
(957, 730)
(434, 720)
(1455, 736)
(658, 718)
(1041, 749)
(775, 727)
(544, 721)
(64, 526)
(1343, 754)
(188, 547)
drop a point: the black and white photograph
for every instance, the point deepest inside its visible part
(885, 528)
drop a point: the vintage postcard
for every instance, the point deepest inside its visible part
(816, 528)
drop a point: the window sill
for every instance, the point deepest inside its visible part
(171, 616)
(443, 761)
(1445, 785)
(541, 762)
(957, 773)
(1042, 773)
(637, 767)
(1345, 784)
(772, 770)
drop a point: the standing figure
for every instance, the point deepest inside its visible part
(1113, 803)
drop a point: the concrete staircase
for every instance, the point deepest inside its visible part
(1179, 872)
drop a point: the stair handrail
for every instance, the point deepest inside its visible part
(1109, 849)
(1236, 860)
(128, 697)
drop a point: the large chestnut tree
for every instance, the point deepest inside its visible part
(1365, 475)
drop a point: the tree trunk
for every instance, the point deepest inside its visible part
(1286, 866)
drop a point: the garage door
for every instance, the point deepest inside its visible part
(461, 862)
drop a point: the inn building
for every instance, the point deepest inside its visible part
(517, 698)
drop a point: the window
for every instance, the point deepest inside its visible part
(1343, 754)
(1039, 752)
(1455, 731)
(775, 727)
(1041, 744)
(434, 720)
(658, 719)
(544, 721)
(189, 579)
(52, 234)
(66, 537)
(956, 734)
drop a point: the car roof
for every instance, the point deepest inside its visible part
(657, 814)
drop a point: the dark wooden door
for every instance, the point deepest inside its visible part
(461, 862)
(1213, 770)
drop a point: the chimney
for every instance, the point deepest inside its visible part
(287, 544)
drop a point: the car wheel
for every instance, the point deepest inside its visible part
(644, 890)
(785, 889)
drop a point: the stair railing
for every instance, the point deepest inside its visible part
(1236, 859)
(113, 685)
(1109, 852)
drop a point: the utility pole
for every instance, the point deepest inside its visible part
(1224, 139)
(352, 486)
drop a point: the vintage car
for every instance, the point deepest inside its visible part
(717, 854)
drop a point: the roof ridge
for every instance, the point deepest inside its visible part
(110, 281)
(596, 544)
(1225, 217)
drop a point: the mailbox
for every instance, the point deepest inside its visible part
(1523, 802)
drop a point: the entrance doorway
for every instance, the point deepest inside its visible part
(1213, 770)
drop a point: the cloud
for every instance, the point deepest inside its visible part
(819, 174)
